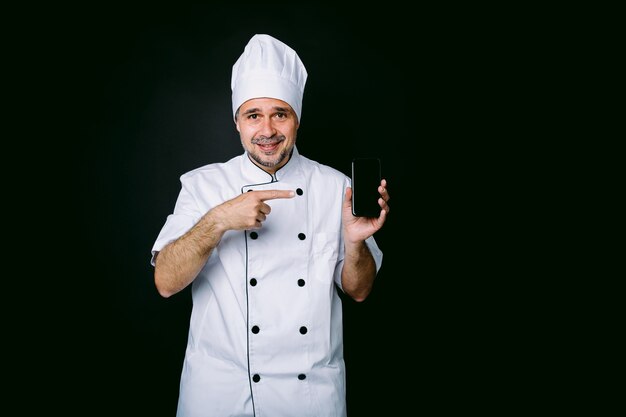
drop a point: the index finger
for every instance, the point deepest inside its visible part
(273, 194)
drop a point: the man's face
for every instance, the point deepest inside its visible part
(267, 128)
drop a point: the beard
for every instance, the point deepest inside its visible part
(262, 158)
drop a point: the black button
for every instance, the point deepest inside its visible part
(300, 282)
(301, 377)
(299, 191)
(256, 378)
(254, 235)
(253, 282)
(301, 236)
(303, 330)
(255, 329)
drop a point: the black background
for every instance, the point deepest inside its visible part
(131, 98)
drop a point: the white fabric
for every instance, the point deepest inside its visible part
(223, 354)
(268, 68)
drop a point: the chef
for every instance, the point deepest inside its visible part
(266, 239)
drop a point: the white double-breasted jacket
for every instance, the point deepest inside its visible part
(265, 336)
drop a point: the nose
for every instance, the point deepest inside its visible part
(267, 128)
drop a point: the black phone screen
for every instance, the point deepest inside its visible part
(365, 181)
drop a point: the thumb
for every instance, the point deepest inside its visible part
(347, 200)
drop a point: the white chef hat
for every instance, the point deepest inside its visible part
(268, 68)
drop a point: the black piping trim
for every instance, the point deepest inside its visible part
(273, 176)
(245, 236)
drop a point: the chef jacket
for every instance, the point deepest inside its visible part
(265, 336)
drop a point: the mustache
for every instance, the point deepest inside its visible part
(264, 140)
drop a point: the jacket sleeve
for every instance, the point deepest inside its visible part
(186, 215)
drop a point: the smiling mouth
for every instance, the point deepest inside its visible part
(268, 147)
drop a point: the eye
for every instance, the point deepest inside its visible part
(253, 116)
(281, 115)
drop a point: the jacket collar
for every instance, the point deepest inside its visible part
(256, 175)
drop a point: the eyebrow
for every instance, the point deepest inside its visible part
(275, 108)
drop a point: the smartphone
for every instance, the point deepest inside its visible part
(366, 176)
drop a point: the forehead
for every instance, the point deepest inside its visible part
(264, 104)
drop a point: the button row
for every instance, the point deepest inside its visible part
(298, 191)
(256, 329)
(257, 377)
(254, 281)
(255, 235)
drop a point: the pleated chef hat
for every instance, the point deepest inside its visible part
(268, 68)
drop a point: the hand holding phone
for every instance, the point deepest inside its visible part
(366, 177)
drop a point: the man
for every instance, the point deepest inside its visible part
(266, 239)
